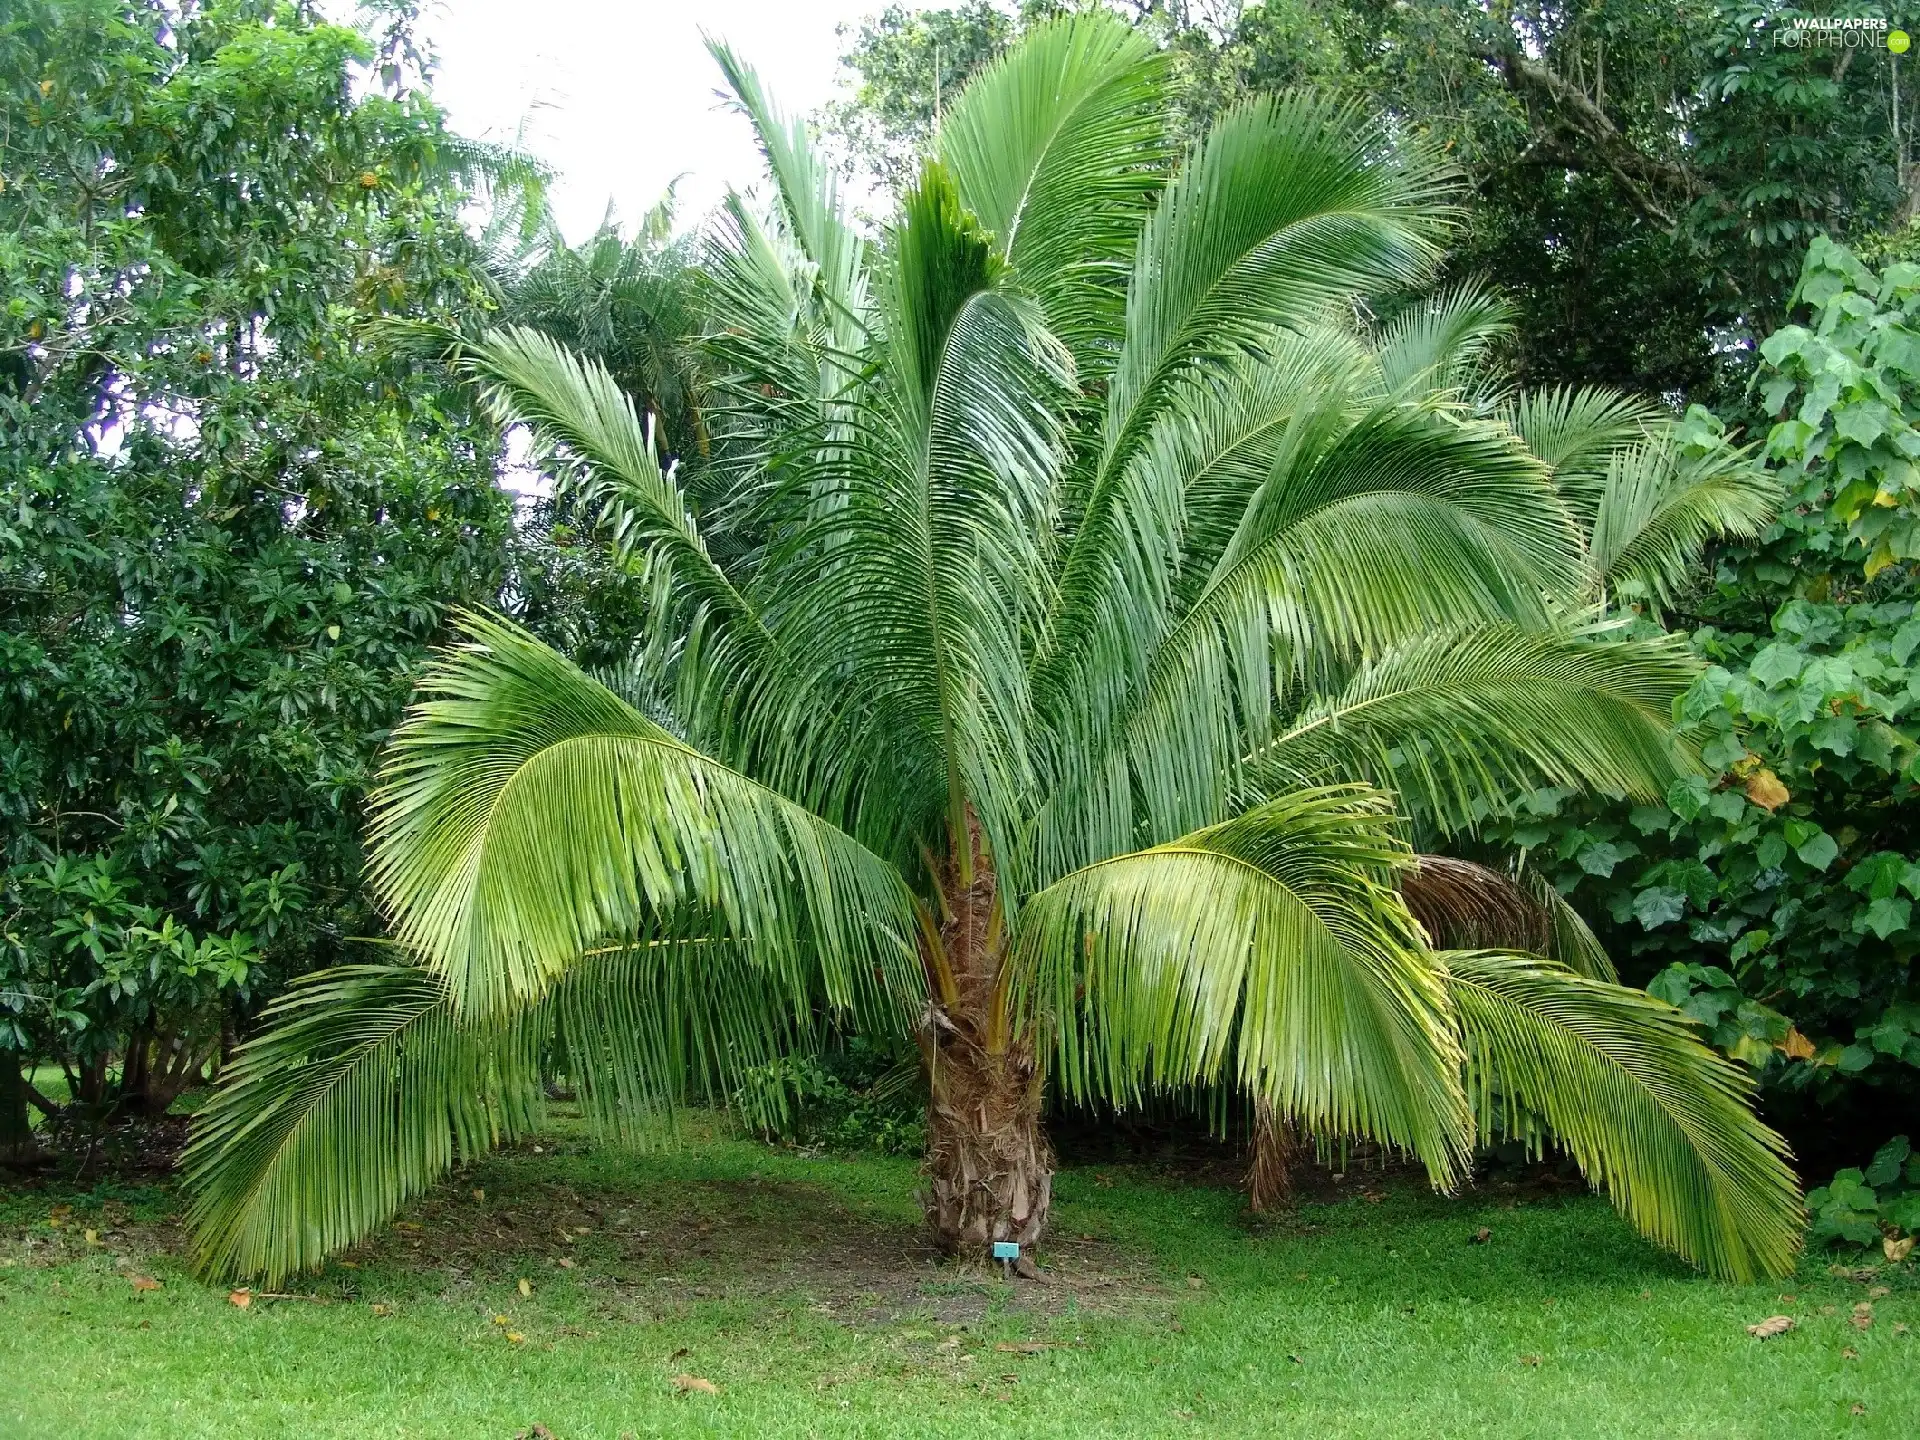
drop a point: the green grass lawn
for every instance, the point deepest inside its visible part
(798, 1287)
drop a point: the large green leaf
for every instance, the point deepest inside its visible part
(1653, 1117)
(364, 1090)
(1457, 722)
(1274, 941)
(1058, 148)
(528, 815)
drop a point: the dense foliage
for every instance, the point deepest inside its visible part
(1773, 899)
(229, 525)
(1646, 178)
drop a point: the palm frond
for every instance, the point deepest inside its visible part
(1653, 1117)
(1575, 431)
(527, 815)
(364, 1090)
(1441, 344)
(809, 195)
(1658, 507)
(1057, 148)
(1275, 940)
(1462, 723)
(1289, 206)
(582, 420)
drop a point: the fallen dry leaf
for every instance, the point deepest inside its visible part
(479, 1194)
(93, 1237)
(565, 1264)
(1194, 1282)
(1765, 790)
(348, 1264)
(514, 1337)
(241, 1298)
(1899, 1327)
(1849, 1353)
(1858, 1409)
(145, 1282)
(383, 1309)
(1481, 1236)
(1861, 1273)
(1022, 1347)
(686, 1384)
(1532, 1361)
(1896, 1250)
(526, 1289)
(1771, 1326)
(1878, 1292)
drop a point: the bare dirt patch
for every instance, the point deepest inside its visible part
(656, 1248)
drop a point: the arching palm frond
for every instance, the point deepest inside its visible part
(366, 1086)
(1057, 149)
(1658, 507)
(587, 427)
(909, 599)
(1406, 522)
(1287, 207)
(528, 814)
(365, 1090)
(808, 194)
(1575, 431)
(1653, 1117)
(1441, 345)
(1274, 943)
(1461, 723)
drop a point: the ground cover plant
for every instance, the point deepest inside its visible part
(804, 1289)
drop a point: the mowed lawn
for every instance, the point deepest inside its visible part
(724, 1288)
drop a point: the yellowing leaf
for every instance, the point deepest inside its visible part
(1796, 1046)
(1771, 1326)
(1764, 789)
(93, 1237)
(240, 1298)
(514, 1337)
(526, 1289)
(1896, 1250)
(499, 1319)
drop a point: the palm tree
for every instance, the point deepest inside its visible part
(1116, 617)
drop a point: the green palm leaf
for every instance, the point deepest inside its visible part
(1455, 722)
(1275, 939)
(1057, 149)
(528, 815)
(364, 1091)
(1658, 507)
(1656, 1119)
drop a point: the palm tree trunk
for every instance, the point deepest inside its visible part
(989, 1167)
(1270, 1177)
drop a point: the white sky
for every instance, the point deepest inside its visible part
(624, 89)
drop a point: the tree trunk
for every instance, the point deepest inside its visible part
(989, 1167)
(17, 1146)
(1270, 1177)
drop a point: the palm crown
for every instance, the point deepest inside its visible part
(1112, 611)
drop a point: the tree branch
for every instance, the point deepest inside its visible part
(1644, 178)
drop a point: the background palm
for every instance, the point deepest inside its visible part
(1117, 614)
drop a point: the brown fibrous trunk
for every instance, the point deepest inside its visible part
(988, 1165)
(1270, 1176)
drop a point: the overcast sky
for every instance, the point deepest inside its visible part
(620, 96)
